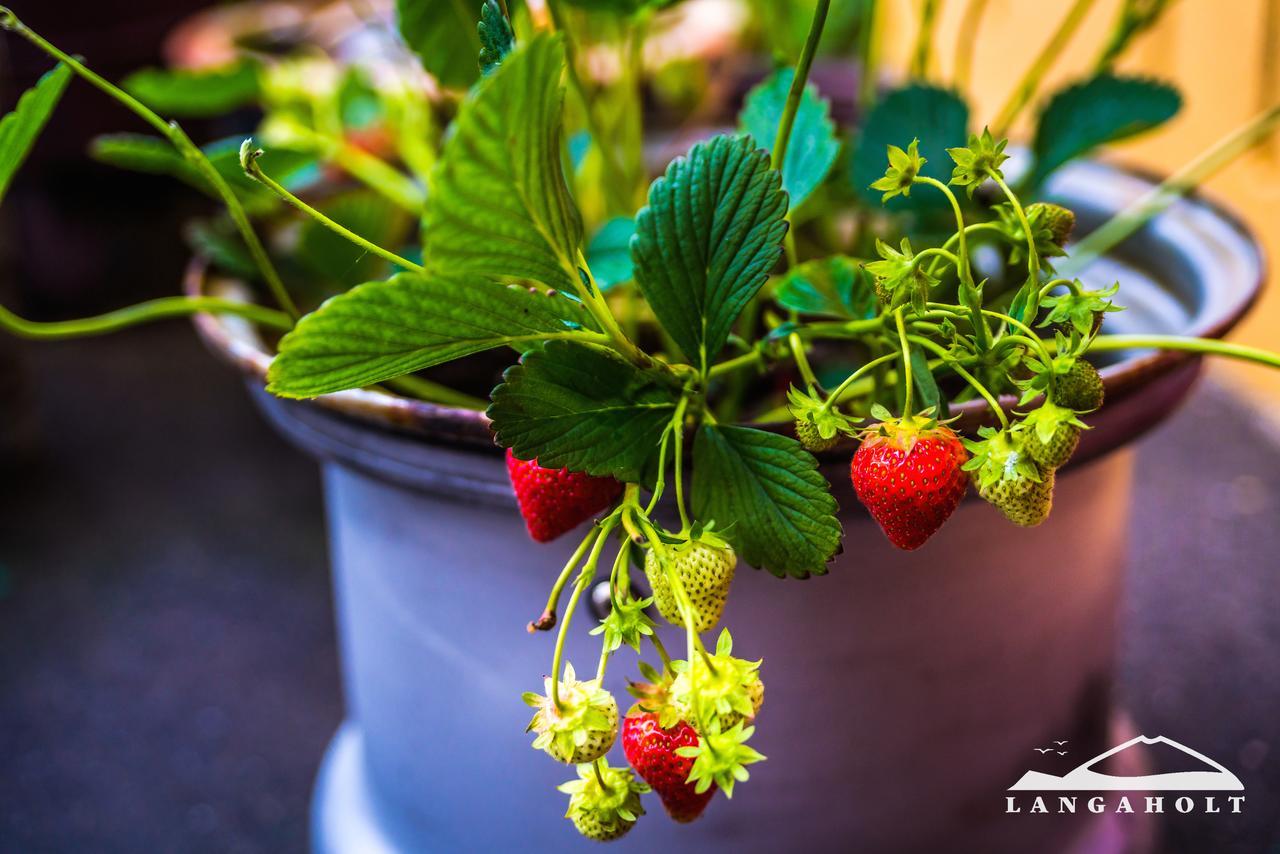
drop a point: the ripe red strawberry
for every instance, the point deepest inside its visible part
(553, 501)
(908, 474)
(651, 750)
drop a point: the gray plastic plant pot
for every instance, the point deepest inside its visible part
(905, 691)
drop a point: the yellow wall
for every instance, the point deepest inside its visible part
(1213, 50)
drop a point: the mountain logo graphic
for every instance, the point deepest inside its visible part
(1084, 779)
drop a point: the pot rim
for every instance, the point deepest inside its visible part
(235, 341)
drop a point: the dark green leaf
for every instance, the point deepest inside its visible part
(766, 496)
(141, 153)
(582, 408)
(926, 386)
(202, 92)
(939, 118)
(223, 246)
(1103, 109)
(444, 35)
(496, 37)
(19, 128)
(381, 330)
(609, 253)
(499, 205)
(707, 240)
(334, 258)
(813, 147)
(835, 287)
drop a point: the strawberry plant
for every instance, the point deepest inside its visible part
(656, 329)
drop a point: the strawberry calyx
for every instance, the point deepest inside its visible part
(582, 727)
(999, 455)
(604, 802)
(718, 690)
(720, 758)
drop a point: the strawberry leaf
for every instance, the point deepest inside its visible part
(195, 92)
(582, 408)
(813, 147)
(499, 205)
(496, 37)
(937, 116)
(444, 35)
(707, 240)
(834, 287)
(1103, 109)
(381, 330)
(767, 498)
(20, 127)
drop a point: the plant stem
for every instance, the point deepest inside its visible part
(249, 161)
(677, 434)
(179, 140)
(924, 39)
(595, 303)
(144, 312)
(966, 40)
(584, 578)
(1142, 210)
(1026, 89)
(798, 81)
(660, 649)
(595, 766)
(906, 361)
(834, 397)
(548, 618)
(802, 361)
(1205, 346)
(433, 392)
(616, 175)
(968, 377)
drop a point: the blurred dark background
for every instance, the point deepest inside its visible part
(168, 675)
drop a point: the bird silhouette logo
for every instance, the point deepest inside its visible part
(1043, 750)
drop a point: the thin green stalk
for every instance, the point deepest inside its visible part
(966, 41)
(906, 361)
(595, 303)
(834, 397)
(660, 649)
(144, 312)
(677, 435)
(1204, 346)
(1026, 89)
(1141, 211)
(802, 361)
(178, 139)
(798, 82)
(870, 56)
(968, 377)
(548, 617)
(924, 39)
(433, 392)
(252, 168)
(584, 578)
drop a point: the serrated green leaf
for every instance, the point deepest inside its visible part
(443, 34)
(499, 204)
(609, 252)
(813, 147)
(837, 286)
(496, 37)
(20, 127)
(583, 408)
(1100, 110)
(381, 330)
(195, 93)
(707, 240)
(938, 117)
(766, 496)
(334, 258)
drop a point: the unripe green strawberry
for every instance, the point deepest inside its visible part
(604, 802)
(1050, 434)
(1023, 500)
(727, 693)
(705, 567)
(1080, 388)
(582, 727)
(1059, 220)
(811, 439)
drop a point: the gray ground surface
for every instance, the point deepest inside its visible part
(167, 667)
